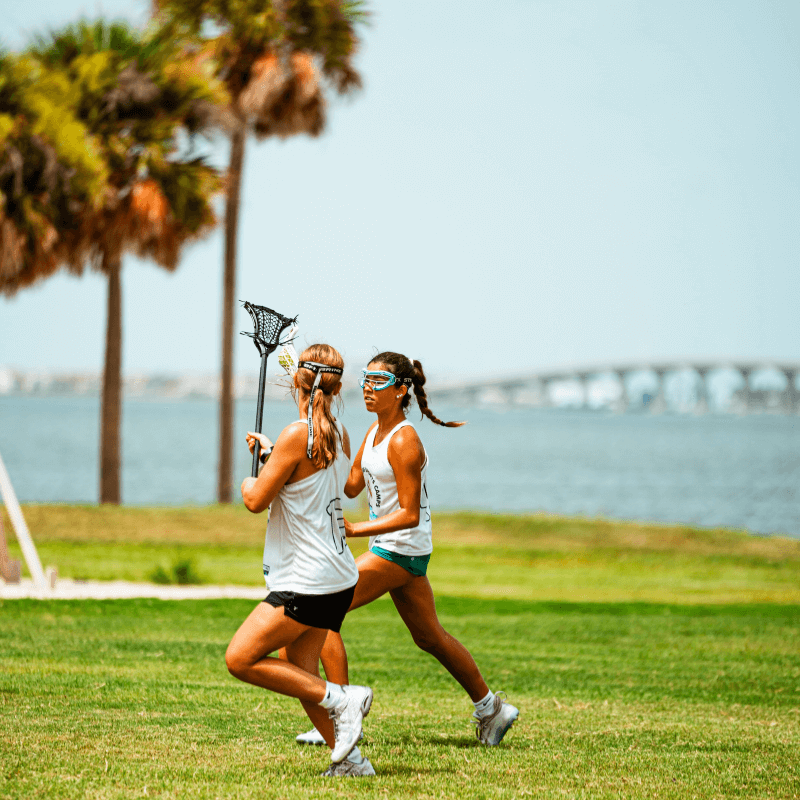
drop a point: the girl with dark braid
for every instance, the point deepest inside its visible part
(392, 464)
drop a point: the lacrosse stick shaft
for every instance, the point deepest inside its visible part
(259, 413)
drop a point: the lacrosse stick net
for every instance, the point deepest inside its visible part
(269, 325)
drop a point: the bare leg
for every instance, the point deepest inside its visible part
(376, 576)
(305, 654)
(415, 604)
(264, 631)
(334, 659)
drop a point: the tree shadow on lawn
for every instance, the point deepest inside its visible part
(441, 740)
(465, 743)
(411, 771)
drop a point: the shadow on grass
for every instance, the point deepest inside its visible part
(460, 742)
(410, 771)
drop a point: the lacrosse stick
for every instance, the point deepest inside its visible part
(269, 325)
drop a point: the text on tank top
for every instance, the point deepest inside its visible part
(381, 485)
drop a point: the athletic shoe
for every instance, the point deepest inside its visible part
(315, 737)
(347, 769)
(312, 737)
(494, 726)
(347, 719)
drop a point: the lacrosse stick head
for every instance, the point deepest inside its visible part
(268, 325)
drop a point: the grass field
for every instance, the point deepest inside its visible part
(680, 679)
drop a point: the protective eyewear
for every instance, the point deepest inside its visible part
(377, 379)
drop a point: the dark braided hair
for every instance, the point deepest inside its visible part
(406, 371)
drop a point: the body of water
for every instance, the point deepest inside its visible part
(739, 472)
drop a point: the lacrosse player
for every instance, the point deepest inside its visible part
(308, 566)
(392, 464)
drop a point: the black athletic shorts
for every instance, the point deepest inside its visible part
(316, 610)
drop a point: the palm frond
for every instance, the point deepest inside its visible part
(93, 124)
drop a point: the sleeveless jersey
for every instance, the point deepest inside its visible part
(305, 549)
(382, 492)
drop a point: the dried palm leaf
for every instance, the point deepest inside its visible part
(268, 81)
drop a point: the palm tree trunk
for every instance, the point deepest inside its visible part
(225, 473)
(111, 408)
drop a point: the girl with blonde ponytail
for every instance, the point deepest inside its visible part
(392, 465)
(308, 566)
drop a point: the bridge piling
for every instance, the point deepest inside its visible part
(746, 392)
(791, 403)
(659, 403)
(583, 380)
(701, 389)
(622, 402)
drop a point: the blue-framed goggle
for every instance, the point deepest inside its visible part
(377, 379)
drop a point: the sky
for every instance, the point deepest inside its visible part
(521, 185)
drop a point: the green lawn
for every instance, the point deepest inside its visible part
(131, 699)
(647, 661)
(476, 555)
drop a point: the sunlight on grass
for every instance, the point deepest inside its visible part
(485, 555)
(132, 699)
(647, 661)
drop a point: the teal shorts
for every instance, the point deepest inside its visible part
(416, 565)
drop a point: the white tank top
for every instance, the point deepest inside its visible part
(382, 492)
(305, 549)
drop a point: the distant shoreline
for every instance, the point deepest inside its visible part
(712, 470)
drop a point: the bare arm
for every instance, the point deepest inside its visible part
(355, 481)
(406, 456)
(345, 441)
(289, 450)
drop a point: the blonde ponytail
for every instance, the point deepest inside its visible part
(327, 437)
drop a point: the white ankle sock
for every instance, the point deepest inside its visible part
(334, 695)
(483, 707)
(355, 756)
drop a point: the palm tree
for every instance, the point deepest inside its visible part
(50, 165)
(137, 99)
(276, 58)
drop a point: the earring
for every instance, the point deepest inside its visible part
(399, 396)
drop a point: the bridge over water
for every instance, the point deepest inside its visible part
(536, 388)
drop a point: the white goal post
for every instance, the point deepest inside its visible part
(21, 529)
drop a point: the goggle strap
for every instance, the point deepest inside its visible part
(314, 388)
(318, 369)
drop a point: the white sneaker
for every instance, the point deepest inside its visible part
(491, 728)
(347, 719)
(312, 737)
(315, 737)
(347, 769)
